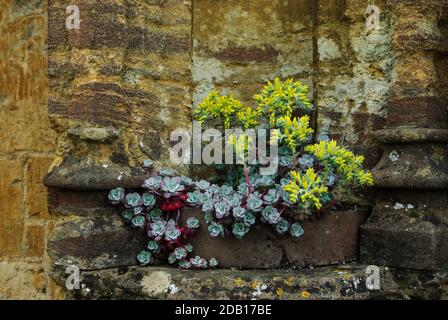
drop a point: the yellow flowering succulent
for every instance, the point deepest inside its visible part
(295, 132)
(282, 98)
(240, 143)
(306, 188)
(226, 108)
(347, 164)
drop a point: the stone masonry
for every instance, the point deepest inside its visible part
(134, 71)
(26, 151)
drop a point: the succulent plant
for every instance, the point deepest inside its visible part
(180, 253)
(198, 262)
(137, 210)
(202, 185)
(127, 214)
(172, 258)
(226, 190)
(254, 203)
(148, 200)
(285, 161)
(157, 228)
(133, 199)
(192, 223)
(187, 181)
(234, 200)
(296, 230)
(171, 185)
(184, 264)
(116, 195)
(270, 215)
(331, 179)
(208, 206)
(215, 229)
(166, 172)
(264, 181)
(153, 246)
(239, 212)
(284, 181)
(213, 262)
(239, 230)
(171, 223)
(152, 182)
(282, 226)
(249, 219)
(147, 163)
(243, 189)
(189, 247)
(306, 161)
(171, 234)
(272, 196)
(138, 221)
(221, 210)
(144, 257)
(155, 215)
(214, 188)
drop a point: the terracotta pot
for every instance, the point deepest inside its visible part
(329, 240)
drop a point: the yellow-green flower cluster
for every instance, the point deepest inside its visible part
(282, 98)
(346, 164)
(227, 109)
(306, 188)
(240, 144)
(294, 131)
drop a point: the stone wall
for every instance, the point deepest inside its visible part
(26, 150)
(134, 71)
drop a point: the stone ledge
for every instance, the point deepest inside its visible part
(336, 282)
(405, 238)
(105, 241)
(76, 174)
(411, 135)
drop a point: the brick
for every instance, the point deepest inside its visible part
(36, 192)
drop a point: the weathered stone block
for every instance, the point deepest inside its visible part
(76, 174)
(331, 239)
(403, 238)
(11, 223)
(427, 112)
(34, 242)
(95, 243)
(412, 166)
(66, 202)
(36, 193)
(330, 282)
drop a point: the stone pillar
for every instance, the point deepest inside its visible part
(118, 86)
(409, 224)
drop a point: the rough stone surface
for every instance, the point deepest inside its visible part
(237, 47)
(335, 282)
(331, 239)
(77, 174)
(413, 166)
(26, 150)
(352, 74)
(94, 243)
(402, 237)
